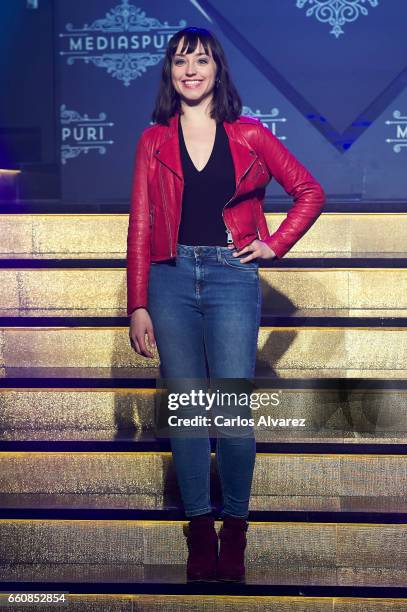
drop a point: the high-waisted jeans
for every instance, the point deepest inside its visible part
(205, 307)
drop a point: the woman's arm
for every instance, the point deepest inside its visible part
(308, 195)
(138, 235)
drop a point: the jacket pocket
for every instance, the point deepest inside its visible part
(259, 170)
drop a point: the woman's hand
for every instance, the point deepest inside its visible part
(257, 248)
(140, 325)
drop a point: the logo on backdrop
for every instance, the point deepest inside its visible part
(125, 42)
(270, 120)
(336, 12)
(81, 134)
(400, 123)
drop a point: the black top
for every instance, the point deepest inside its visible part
(206, 192)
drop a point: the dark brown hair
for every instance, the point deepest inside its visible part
(227, 104)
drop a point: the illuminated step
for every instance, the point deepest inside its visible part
(225, 603)
(359, 414)
(283, 553)
(102, 291)
(140, 480)
(73, 235)
(282, 351)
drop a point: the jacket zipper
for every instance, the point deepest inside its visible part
(165, 208)
(229, 233)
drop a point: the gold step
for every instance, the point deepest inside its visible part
(295, 553)
(222, 603)
(72, 235)
(331, 415)
(60, 292)
(284, 351)
(147, 480)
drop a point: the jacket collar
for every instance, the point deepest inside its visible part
(169, 151)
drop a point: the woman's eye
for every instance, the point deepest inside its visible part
(180, 61)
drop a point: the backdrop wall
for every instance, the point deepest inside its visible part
(328, 78)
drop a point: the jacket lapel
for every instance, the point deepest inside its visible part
(243, 155)
(168, 152)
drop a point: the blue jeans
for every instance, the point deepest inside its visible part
(205, 307)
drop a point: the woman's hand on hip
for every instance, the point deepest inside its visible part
(255, 249)
(140, 327)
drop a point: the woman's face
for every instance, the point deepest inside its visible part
(193, 74)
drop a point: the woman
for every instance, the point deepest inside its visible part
(196, 234)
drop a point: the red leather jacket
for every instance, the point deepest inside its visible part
(157, 188)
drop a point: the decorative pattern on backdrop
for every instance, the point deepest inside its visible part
(296, 64)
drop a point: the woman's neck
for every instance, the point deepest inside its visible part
(196, 115)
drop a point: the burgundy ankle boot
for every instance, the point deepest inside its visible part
(202, 541)
(232, 536)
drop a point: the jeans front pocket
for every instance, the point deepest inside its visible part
(234, 262)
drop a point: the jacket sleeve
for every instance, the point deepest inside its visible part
(138, 234)
(308, 195)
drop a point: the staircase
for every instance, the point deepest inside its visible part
(89, 501)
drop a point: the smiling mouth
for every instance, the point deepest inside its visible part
(192, 83)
